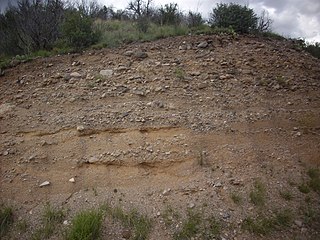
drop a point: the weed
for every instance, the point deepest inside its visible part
(304, 188)
(22, 226)
(190, 227)
(169, 215)
(283, 218)
(6, 219)
(236, 198)
(287, 195)
(213, 228)
(180, 74)
(258, 226)
(86, 225)
(50, 219)
(258, 194)
(265, 225)
(140, 224)
(314, 182)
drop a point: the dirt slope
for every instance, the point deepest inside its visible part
(184, 125)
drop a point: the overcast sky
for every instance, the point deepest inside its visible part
(291, 18)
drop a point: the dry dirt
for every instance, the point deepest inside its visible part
(184, 127)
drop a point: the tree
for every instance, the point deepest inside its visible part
(264, 22)
(169, 14)
(241, 18)
(140, 8)
(32, 25)
(194, 19)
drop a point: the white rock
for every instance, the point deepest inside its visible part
(72, 180)
(75, 75)
(106, 72)
(45, 183)
(80, 128)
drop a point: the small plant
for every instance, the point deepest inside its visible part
(314, 182)
(283, 218)
(86, 225)
(212, 229)
(22, 226)
(287, 195)
(260, 225)
(190, 227)
(236, 198)
(258, 194)
(265, 225)
(179, 73)
(51, 217)
(6, 219)
(304, 188)
(140, 224)
(169, 215)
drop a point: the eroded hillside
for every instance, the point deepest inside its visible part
(182, 123)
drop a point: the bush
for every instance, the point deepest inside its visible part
(241, 18)
(77, 30)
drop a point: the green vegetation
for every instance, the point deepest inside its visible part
(314, 182)
(236, 198)
(86, 225)
(50, 219)
(287, 195)
(240, 18)
(258, 194)
(77, 30)
(196, 225)
(169, 215)
(6, 219)
(190, 227)
(265, 225)
(180, 74)
(140, 224)
(304, 188)
(22, 226)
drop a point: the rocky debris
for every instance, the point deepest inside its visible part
(139, 55)
(240, 112)
(44, 184)
(75, 75)
(106, 73)
(72, 180)
(203, 44)
(1, 72)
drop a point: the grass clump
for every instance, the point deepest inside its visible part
(236, 198)
(190, 227)
(50, 219)
(286, 195)
(6, 219)
(258, 194)
(304, 188)
(180, 74)
(86, 225)
(169, 215)
(140, 224)
(314, 182)
(196, 225)
(265, 225)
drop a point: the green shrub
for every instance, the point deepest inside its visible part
(77, 30)
(240, 18)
